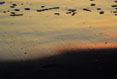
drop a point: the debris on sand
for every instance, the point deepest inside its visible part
(22, 4)
(14, 14)
(26, 8)
(114, 5)
(14, 4)
(72, 10)
(17, 9)
(86, 9)
(40, 10)
(68, 12)
(4, 11)
(101, 12)
(106, 42)
(73, 13)
(42, 6)
(2, 2)
(57, 14)
(114, 11)
(25, 52)
(93, 4)
(98, 8)
(56, 8)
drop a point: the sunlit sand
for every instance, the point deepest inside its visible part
(38, 28)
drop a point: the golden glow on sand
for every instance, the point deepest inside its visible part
(36, 35)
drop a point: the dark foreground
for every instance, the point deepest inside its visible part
(74, 64)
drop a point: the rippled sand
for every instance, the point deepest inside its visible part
(39, 34)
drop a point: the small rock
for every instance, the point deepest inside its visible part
(4, 11)
(114, 5)
(98, 8)
(72, 10)
(14, 4)
(25, 52)
(101, 12)
(2, 2)
(26, 8)
(57, 14)
(42, 6)
(87, 9)
(74, 13)
(93, 4)
(17, 9)
(16, 14)
(68, 12)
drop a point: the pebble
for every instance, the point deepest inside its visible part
(101, 12)
(12, 6)
(57, 14)
(2, 2)
(87, 9)
(114, 5)
(17, 9)
(98, 8)
(26, 8)
(93, 4)
(13, 14)
(72, 10)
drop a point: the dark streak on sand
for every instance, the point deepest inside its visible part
(69, 64)
(71, 11)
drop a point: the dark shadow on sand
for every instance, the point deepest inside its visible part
(72, 64)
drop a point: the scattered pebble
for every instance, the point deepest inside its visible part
(101, 12)
(93, 4)
(26, 8)
(87, 9)
(114, 5)
(13, 14)
(74, 13)
(17, 9)
(114, 11)
(72, 10)
(68, 12)
(14, 4)
(98, 8)
(57, 14)
(106, 43)
(42, 6)
(25, 52)
(4, 11)
(2, 2)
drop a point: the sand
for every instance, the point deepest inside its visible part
(68, 39)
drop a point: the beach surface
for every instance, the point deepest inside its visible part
(58, 39)
(36, 29)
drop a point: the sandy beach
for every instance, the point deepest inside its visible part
(69, 38)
